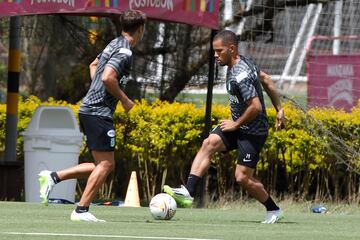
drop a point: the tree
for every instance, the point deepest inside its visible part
(56, 53)
(57, 47)
(184, 49)
(171, 56)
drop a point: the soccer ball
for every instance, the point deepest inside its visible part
(162, 206)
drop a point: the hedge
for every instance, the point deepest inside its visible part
(315, 157)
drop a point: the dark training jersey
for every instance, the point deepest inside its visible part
(243, 83)
(98, 101)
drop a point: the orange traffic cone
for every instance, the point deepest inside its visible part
(132, 198)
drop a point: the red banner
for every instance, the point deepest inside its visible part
(333, 80)
(194, 12)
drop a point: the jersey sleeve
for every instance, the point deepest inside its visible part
(119, 60)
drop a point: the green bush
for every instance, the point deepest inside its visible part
(160, 140)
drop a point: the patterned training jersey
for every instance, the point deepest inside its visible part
(243, 83)
(98, 101)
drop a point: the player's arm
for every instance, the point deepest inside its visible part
(110, 81)
(253, 109)
(271, 91)
(92, 67)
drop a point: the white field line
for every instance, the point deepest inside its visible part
(101, 236)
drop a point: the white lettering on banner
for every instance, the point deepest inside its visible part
(71, 3)
(340, 90)
(340, 70)
(167, 4)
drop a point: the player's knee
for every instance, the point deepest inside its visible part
(108, 166)
(209, 145)
(111, 166)
(242, 179)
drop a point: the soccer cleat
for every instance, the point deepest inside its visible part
(181, 195)
(273, 216)
(84, 217)
(46, 185)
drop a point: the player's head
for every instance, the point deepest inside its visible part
(225, 46)
(133, 23)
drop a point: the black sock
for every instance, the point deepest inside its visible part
(82, 209)
(55, 177)
(191, 184)
(270, 205)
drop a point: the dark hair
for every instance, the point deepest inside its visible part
(228, 37)
(131, 20)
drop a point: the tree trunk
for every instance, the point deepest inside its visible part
(185, 71)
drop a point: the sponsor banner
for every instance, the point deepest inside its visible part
(194, 12)
(333, 80)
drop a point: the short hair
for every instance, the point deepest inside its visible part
(131, 20)
(228, 37)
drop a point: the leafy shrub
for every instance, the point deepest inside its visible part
(160, 140)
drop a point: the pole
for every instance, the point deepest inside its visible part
(209, 95)
(309, 34)
(210, 86)
(337, 26)
(12, 97)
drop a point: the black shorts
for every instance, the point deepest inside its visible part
(248, 146)
(99, 132)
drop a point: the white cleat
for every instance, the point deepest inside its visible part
(84, 217)
(273, 216)
(46, 185)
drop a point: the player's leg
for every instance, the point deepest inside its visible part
(100, 135)
(81, 171)
(248, 157)
(202, 160)
(48, 179)
(244, 176)
(184, 195)
(105, 164)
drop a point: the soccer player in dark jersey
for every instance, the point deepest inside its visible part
(246, 131)
(108, 73)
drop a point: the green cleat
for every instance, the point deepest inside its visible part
(46, 185)
(181, 195)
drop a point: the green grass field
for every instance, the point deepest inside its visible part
(34, 221)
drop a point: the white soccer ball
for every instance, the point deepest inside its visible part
(162, 206)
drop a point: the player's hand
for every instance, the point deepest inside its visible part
(280, 119)
(228, 125)
(128, 105)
